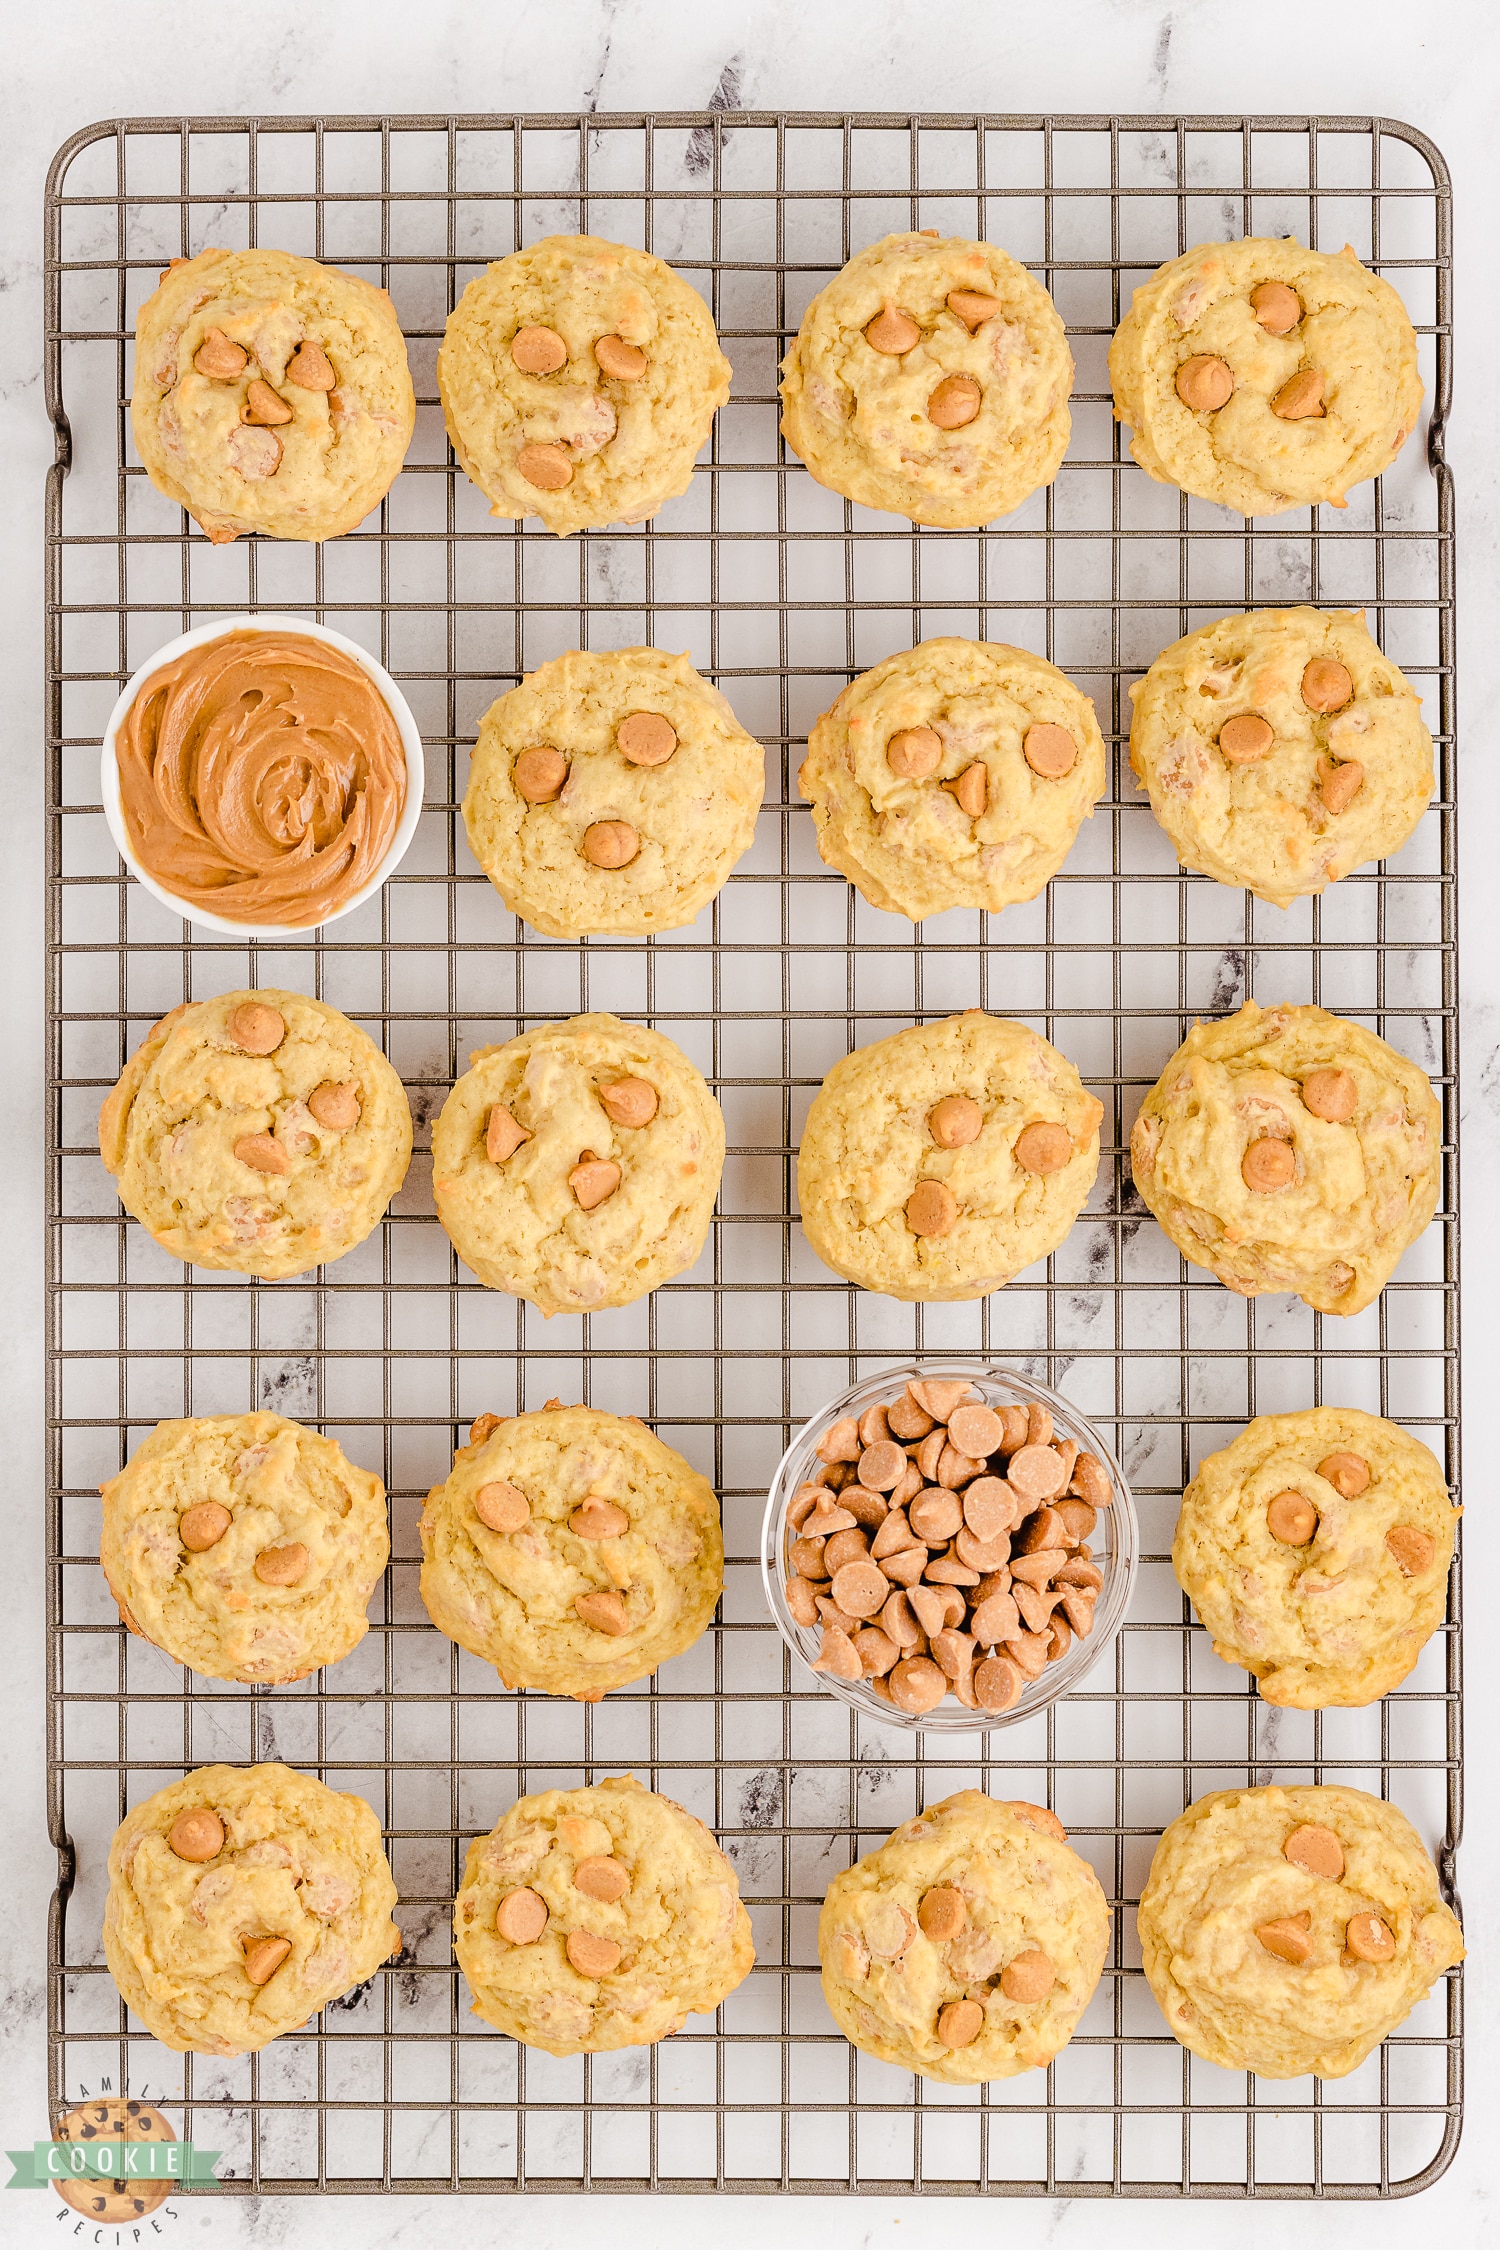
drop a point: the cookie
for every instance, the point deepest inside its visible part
(577, 1166)
(1265, 376)
(611, 792)
(579, 380)
(954, 774)
(1288, 1149)
(1315, 1548)
(120, 2199)
(242, 1899)
(590, 1919)
(244, 1546)
(938, 1163)
(1280, 749)
(271, 394)
(260, 1132)
(968, 1946)
(1287, 1931)
(572, 1550)
(930, 378)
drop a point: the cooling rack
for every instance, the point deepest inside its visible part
(779, 591)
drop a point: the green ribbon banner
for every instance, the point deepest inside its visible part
(178, 2161)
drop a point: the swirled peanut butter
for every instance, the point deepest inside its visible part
(262, 776)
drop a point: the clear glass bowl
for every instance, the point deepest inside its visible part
(1114, 1542)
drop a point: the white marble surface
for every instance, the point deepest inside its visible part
(76, 60)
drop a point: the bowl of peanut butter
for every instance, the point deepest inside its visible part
(262, 776)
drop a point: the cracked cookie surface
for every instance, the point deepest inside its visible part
(303, 1191)
(977, 1924)
(646, 1560)
(877, 420)
(635, 1911)
(870, 1151)
(603, 443)
(239, 429)
(197, 1508)
(904, 838)
(1223, 1873)
(519, 1222)
(1344, 1195)
(1334, 1610)
(674, 827)
(275, 1856)
(1346, 771)
(1349, 339)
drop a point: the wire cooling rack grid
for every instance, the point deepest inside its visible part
(779, 592)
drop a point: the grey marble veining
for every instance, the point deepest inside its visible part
(80, 59)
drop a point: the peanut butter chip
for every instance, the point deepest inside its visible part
(255, 1028)
(624, 363)
(942, 1913)
(1317, 1850)
(538, 351)
(610, 843)
(935, 1516)
(1326, 684)
(219, 359)
(959, 2023)
(1268, 1166)
(914, 753)
(1369, 1939)
(998, 1683)
(310, 368)
(503, 1136)
(917, 1685)
(1040, 1817)
(931, 1209)
(1276, 307)
(955, 1121)
(1341, 785)
(501, 1506)
(203, 1527)
(1290, 1939)
(1036, 1472)
(1348, 1473)
(1042, 1148)
(1301, 397)
(602, 1878)
(598, 1518)
(954, 403)
(593, 1180)
(1029, 1977)
(892, 332)
(1204, 383)
(282, 1566)
(1050, 751)
(262, 408)
(646, 738)
(973, 308)
(264, 1956)
(604, 1611)
(861, 1589)
(882, 1465)
(631, 1102)
(545, 466)
(263, 1153)
(1246, 739)
(484, 1426)
(975, 1430)
(197, 1835)
(335, 1104)
(1412, 1549)
(1330, 1094)
(1291, 1518)
(521, 1916)
(539, 775)
(971, 790)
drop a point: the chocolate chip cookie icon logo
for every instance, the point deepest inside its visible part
(113, 2196)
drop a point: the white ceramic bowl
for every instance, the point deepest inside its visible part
(997, 1386)
(390, 694)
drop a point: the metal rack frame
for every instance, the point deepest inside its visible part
(784, 592)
